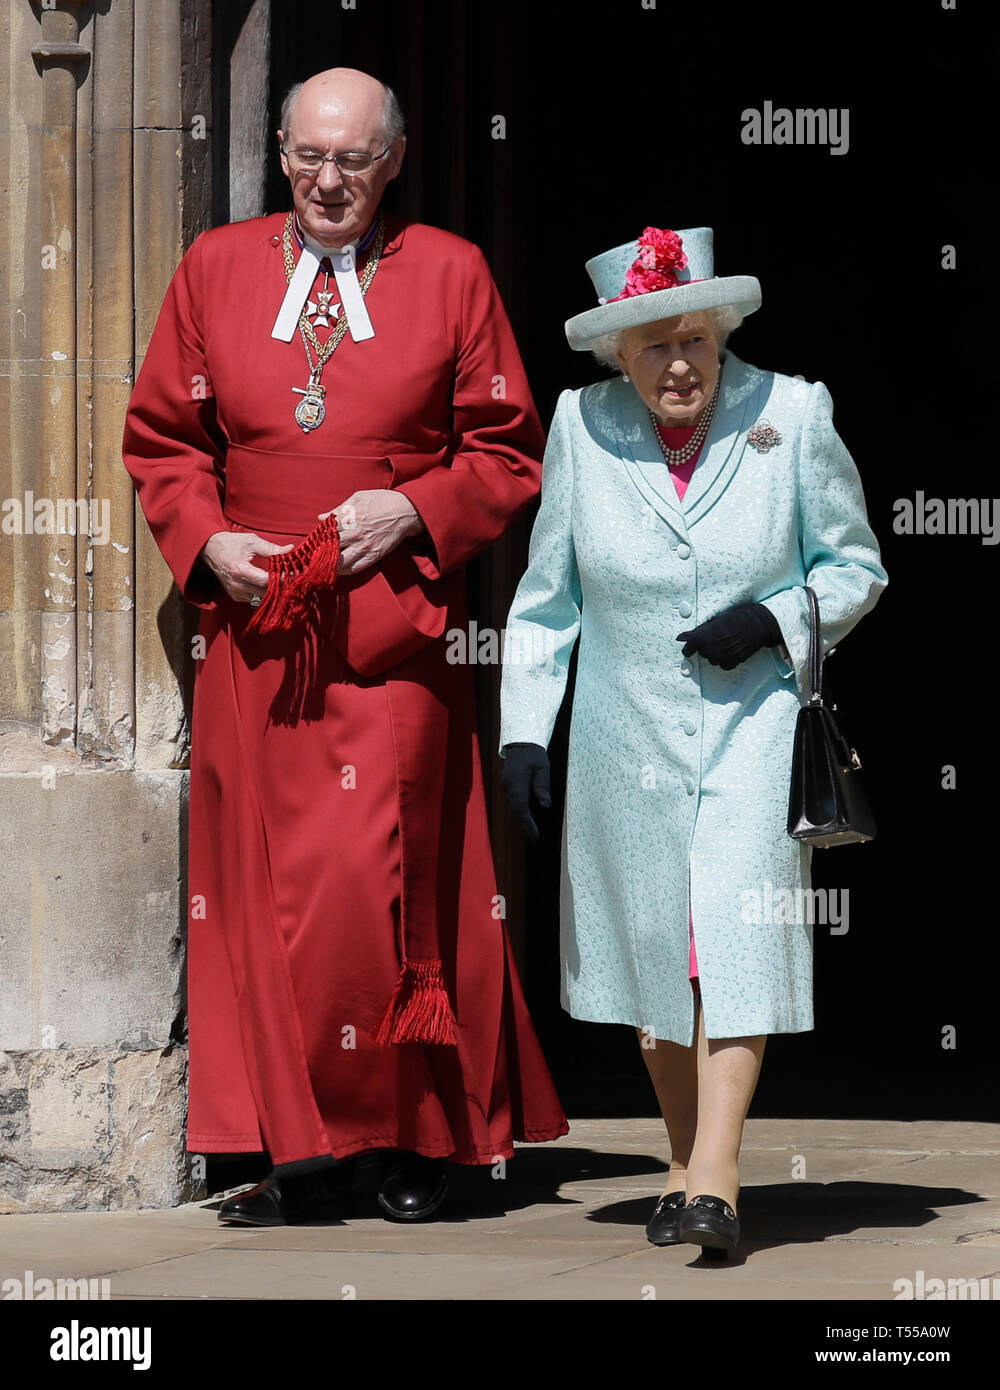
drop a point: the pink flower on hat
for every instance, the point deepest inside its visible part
(661, 253)
(660, 249)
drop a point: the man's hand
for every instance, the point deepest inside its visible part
(229, 554)
(370, 524)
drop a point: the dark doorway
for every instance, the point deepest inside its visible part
(613, 117)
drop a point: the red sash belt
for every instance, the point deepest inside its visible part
(286, 492)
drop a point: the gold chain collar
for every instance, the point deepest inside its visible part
(368, 274)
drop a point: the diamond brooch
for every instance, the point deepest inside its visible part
(763, 436)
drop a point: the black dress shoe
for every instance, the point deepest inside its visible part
(280, 1201)
(663, 1227)
(414, 1188)
(711, 1222)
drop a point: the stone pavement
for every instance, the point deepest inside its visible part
(831, 1210)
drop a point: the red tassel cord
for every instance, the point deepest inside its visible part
(419, 1010)
(295, 576)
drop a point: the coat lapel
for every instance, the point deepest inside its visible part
(738, 407)
(643, 459)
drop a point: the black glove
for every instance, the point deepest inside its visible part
(733, 635)
(526, 769)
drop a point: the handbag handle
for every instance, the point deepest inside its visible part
(850, 756)
(815, 651)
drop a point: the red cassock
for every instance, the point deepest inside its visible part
(337, 812)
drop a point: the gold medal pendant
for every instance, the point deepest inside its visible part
(310, 411)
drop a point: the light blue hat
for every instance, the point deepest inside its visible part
(698, 287)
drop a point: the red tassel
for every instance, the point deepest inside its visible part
(419, 1010)
(295, 576)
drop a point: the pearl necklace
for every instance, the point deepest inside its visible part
(676, 457)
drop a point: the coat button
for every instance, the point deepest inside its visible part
(685, 609)
(683, 551)
(689, 726)
(689, 786)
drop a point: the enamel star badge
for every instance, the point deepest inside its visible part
(321, 312)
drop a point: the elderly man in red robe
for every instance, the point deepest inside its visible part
(332, 418)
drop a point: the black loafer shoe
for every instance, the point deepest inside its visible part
(711, 1222)
(414, 1188)
(663, 1227)
(280, 1201)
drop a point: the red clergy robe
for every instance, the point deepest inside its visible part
(336, 787)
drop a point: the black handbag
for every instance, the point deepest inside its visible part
(827, 804)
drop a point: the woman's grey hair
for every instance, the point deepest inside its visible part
(393, 123)
(724, 320)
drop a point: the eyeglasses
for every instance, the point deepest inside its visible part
(350, 164)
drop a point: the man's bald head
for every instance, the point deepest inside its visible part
(347, 86)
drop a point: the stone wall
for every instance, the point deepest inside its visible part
(106, 170)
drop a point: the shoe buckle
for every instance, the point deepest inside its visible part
(714, 1204)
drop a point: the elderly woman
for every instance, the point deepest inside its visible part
(685, 505)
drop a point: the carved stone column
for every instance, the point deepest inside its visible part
(62, 61)
(106, 131)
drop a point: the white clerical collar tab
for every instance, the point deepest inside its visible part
(296, 295)
(359, 325)
(343, 260)
(321, 251)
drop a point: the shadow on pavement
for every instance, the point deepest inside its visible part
(789, 1213)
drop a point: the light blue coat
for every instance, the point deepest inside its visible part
(678, 772)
